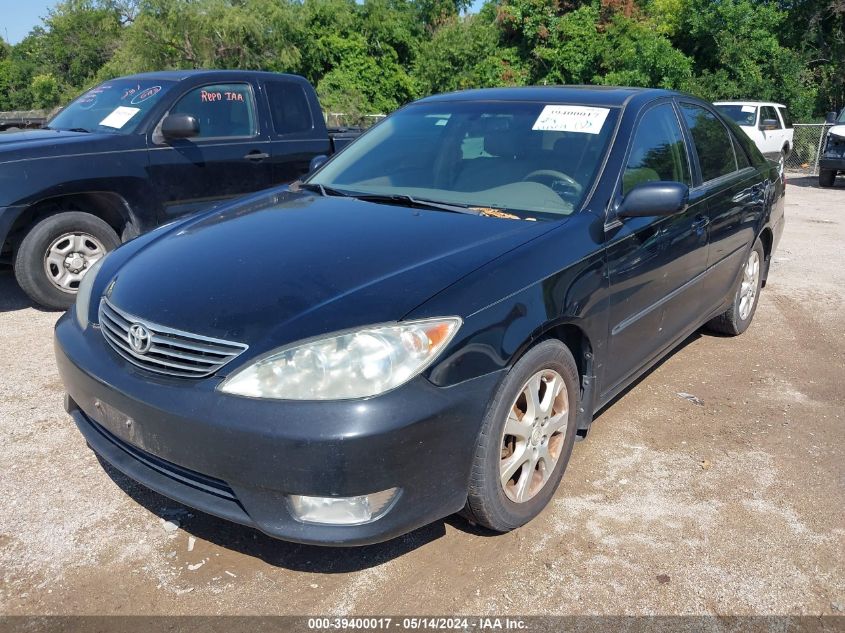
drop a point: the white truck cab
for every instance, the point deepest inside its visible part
(766, 123)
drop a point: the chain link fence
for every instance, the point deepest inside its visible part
(807, 146)
(343, 119)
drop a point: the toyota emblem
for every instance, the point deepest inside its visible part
(139, 338)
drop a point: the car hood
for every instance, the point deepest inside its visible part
(45, 143)
(837, 130)
(267, 275)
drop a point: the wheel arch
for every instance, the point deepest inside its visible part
(110, 207)
(766, 238)
(579, 344)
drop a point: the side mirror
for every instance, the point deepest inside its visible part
(769, 124)
(180, 126)
(317, 162)
(654, 198)
(830, 118)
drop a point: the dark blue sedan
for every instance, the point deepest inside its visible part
(425, 324)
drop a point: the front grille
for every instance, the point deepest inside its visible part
(170, 352)
(211, 485)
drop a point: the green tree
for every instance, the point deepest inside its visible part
(465, 53)
(46, 91)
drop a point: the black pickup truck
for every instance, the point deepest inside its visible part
(136, 152)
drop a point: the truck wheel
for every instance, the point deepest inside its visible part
(826, 177)
(526, 439)
(57, 252)
(736, 319)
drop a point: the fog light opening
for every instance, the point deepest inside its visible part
(343, 510)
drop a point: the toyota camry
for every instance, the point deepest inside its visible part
(426, 322)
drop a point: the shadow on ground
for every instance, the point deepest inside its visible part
(293, 556)
(12, 298)
(812, 182)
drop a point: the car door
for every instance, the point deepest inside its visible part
(298, 133)
(772, 139)
(734, 192)
(654, 263)
(226, 159)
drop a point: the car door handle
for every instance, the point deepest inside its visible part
(700, 223)
(256, 155)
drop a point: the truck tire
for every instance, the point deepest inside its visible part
(826, 177)
(55, 254)
(736, 319)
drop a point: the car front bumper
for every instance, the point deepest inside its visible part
(241, 458)
(832, 162)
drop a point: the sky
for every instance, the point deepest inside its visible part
(17, 17)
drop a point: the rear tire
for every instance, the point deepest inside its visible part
(736, 319)
(56, 253)
(826, 177)
(538, 446)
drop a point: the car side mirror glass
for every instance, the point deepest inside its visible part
(658, 198)
(317, 162)
(830, 117)
(180, 126)
(769, 124)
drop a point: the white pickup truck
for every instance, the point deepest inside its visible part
(766, 123)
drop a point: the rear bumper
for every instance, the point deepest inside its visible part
(240, 458)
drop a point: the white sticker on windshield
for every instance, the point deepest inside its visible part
(562, 118)
(748, 108)
(119, 117)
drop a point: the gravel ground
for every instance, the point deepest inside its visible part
(733, 506)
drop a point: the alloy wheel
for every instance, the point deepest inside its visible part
(750, 283)
(533, 437)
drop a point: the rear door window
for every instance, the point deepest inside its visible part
(289, 107)
(713, 144)
(657, 152)
(787, 122)
(223, 110)
(741, 159)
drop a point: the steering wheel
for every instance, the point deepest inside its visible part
(551, 177)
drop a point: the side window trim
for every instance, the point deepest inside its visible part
(158, 139)
(630, 147)
(708, 183)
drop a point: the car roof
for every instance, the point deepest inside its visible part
(180, 75)
(754, 103)
(586, 95)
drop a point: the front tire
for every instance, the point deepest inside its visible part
(826, 177)
(736, 319)
(526, 439)
(57, 252)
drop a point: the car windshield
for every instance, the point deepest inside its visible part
(532, 160)
(114, 106)
(742, 114)
(841, 118)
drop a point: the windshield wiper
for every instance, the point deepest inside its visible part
(321, 189)
(419, 203)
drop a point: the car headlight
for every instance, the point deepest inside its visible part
(83, 293)
(354, 364)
